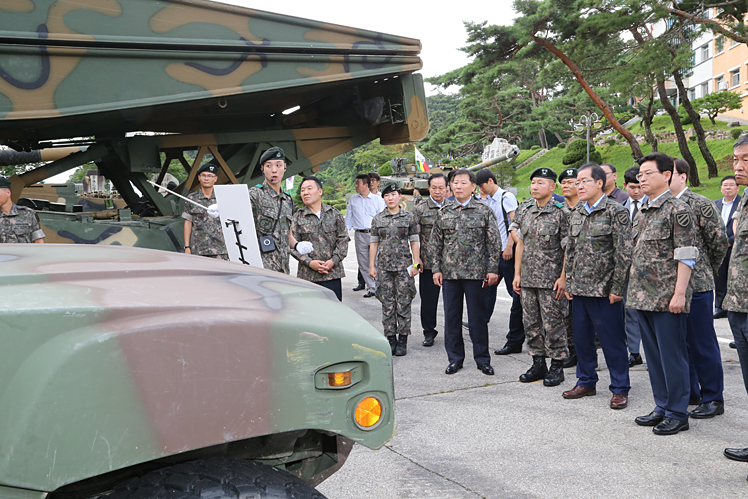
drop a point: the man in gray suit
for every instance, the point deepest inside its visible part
(726, 207)
(633, 204)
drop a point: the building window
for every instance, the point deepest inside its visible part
(719, 45)
(692, 94)
(718, 84)
(704, 89)
(704, 53)
(735, 78)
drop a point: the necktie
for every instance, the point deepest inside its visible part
(635, 210)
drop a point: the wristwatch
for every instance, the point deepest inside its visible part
(188, 247)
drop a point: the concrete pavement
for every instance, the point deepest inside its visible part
(474, 436)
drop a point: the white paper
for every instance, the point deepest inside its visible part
(234, 206)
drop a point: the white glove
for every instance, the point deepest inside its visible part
(213, 211)
(304, 247)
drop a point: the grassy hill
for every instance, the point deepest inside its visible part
(620, 157)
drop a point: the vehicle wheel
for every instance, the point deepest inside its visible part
(215, 478)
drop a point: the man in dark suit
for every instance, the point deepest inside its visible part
(726, 207)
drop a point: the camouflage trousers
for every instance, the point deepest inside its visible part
(395, 289)
(544, 319)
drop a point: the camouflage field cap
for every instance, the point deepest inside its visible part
(391, 187)
(568, 173)
(208, 167)
(272, 153)
(544, 173)
(4, 183)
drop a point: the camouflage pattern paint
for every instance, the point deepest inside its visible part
(117, 356)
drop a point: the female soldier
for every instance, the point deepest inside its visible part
(392, 231)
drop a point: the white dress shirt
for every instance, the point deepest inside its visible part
(361, 210)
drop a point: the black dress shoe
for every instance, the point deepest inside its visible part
(453, 368)
(737, 454)
(360, 287)
(708, 410)
(721, 314)
(428, 341)
(486, 369)
(507, 350)
(670, 426)
(570, 361)
(368, 294)
(635, 359)
(651, 419)
(732, 345)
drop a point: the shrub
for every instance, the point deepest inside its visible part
(610, 141)
(685, 120)
(735, 133)
(535, 148)
(692, 138)
(561, 145)
(576, 154)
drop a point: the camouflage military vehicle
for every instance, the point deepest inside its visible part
(136, 85)
(133, 373)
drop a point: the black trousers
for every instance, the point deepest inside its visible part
(516, 335)
(453, 292)
(429, 302)
(720, 281)
(333, 285)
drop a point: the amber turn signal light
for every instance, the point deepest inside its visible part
(368, 413)
(339, 380)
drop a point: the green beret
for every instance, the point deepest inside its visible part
(544, 173)
(208, 167)
(4, 183)
(568, 173)
(272, 153)
(391, 187)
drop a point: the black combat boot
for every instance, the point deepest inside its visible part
(393, 342)
(555, 374)
(571, 360)
(402, 345)
(537, 371)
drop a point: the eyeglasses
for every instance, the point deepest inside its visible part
(577, 184)
(648, 174)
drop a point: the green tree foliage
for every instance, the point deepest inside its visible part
(717, 102)
(576, 154)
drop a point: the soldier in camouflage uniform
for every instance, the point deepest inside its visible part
(542, 227)
(664, 254)
(18, 224)
(598, 256)
(202, 233)
(324, 227)
(704, 359)
(425, 214)
(465, 248)
(394, 240)
(736, 299)
(567, 179)
(272, 210)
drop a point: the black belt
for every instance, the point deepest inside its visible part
(363, 230)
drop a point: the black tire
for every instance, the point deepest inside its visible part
(215, 478)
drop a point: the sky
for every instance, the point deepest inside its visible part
(439, 25)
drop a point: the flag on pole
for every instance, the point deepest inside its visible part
(421, 161)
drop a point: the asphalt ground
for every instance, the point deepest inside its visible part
(469, 435)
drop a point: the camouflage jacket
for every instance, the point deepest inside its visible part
(544, 232)
(425, 214)
(207, 235)
(265, 205)
(736, 299)
(21, 225)
(711, 239)
(659, 229)
(598, 252)
(465, 241)
(329, 237)
(394, 233)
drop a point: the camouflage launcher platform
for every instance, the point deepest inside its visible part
(135, 84)
(118, 361)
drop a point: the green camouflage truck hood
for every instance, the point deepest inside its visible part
(116, 356)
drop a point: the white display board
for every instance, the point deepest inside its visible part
(238, 224)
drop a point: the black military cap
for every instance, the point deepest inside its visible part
(272, 153)
(4, 183)
(543, 173)
(568, 173)
(208, 167)
(391, 187)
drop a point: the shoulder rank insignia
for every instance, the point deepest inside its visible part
(707, 210)
(623, 218)
(683, 219)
